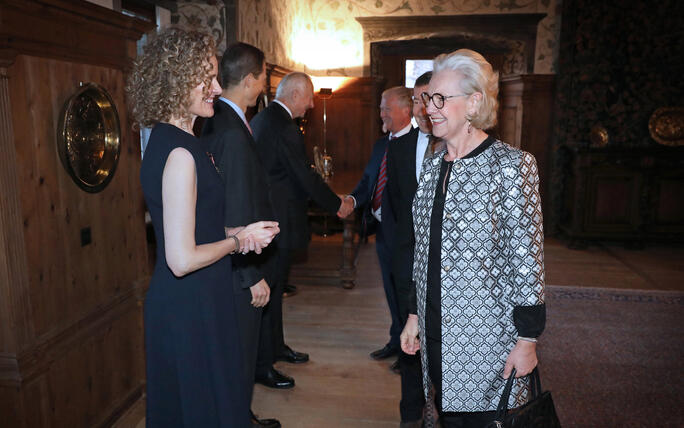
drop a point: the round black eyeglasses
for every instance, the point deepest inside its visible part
(438, 99)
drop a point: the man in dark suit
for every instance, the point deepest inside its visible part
(395, 112)
(404, 163)
(282, 155)
(228, 138)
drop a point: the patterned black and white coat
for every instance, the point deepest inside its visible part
(492, 261)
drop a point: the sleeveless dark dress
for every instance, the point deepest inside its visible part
(194, 367)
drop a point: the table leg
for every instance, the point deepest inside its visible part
(348, 269)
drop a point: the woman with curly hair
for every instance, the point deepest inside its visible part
(479, 259)
(194, 376)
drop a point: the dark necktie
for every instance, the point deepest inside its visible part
(382, 180)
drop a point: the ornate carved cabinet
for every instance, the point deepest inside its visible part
(630, 194)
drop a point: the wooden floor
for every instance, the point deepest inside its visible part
(342, 387)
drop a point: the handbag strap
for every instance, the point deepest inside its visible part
(535, 386)
(502, 408)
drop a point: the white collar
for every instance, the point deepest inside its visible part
(235, 107)
(285, 107)
(402, 132)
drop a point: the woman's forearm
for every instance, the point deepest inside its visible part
(183, 261)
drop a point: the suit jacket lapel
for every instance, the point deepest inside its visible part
(411, 154)
(226, 112)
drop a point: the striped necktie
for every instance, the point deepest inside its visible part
(382, 180)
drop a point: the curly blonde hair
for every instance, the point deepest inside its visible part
(173, 63)
(477, 75)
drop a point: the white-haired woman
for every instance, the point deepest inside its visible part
(478, 267)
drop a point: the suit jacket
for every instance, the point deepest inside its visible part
(283, 156)
(365, 189)
(401, 185)
(248, 198)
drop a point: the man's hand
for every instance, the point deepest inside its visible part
(410, 343)
(261, 292)
(346, 206)
(523, 358)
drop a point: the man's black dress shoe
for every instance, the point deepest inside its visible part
(275, 379)
(290, 356)
(386, 352)
(289, 290)
(395, 367)
(264, 423)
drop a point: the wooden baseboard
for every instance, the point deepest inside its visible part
(120, 408)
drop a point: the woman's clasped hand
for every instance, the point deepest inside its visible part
(256, 236)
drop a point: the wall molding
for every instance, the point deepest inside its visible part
(16, 370)
(521, 27)
(78, 23)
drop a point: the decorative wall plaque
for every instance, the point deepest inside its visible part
(599, 136)
(666, 126)
(89, 137)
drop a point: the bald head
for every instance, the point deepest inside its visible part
(296, 92)
(290, 83)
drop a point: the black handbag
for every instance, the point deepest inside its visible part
(538, 412)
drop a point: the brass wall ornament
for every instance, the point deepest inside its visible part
(666, 126)
(599, 136)
(89, 137)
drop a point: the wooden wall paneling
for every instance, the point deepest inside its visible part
(15, 313)
(32, 103)
(26, 407)
(74, 279)
(97, 213)
(11, 406)
(97, 378)
(71, 336)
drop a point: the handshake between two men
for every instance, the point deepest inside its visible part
(346, 206)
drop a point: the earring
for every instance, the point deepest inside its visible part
(470, 127)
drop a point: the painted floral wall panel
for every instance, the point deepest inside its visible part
(208, 16)
(317, 35)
